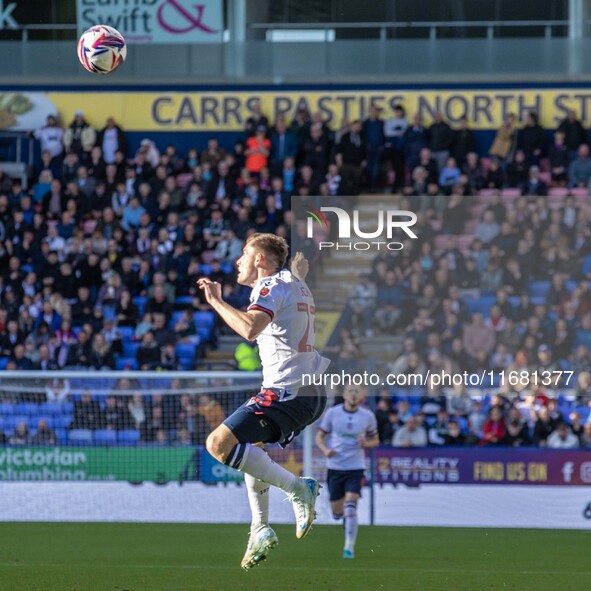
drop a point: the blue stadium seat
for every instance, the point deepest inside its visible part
(80, 437)
(52, 408)
(140, 302)
(126, 362)
(62, 436)
(227, 267)
(204, 319)
(184, 301)
(130, 349)
(539, 288)
(4, 362)
(128, 437)
(206, 269)
(126, 332)
(105, 437)
(185, 350)
(27, 408)
(62, 421)
(6, 408)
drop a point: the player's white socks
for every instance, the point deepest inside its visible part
(258, 498)
(351, 524)
(254, 461)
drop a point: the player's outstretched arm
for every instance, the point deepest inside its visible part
(299, 266)
(248, 325)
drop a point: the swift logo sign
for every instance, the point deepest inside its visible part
(354, 237)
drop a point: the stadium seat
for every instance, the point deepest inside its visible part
(204, 319)
(6, 409)
(184, 301)
(512, 193)
(206, 269)
(558, 192)
(62, 421)
(27, 408)
(539, 288)
(128, 437)
(579, 192)
(130, 349)
(105, 437)
(80, 437)
(140, 302)
(4, 362)
(185, 350)
(126, 363)
(62, 436)
(51, 408)
(126, 332)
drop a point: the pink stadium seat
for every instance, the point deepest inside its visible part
(436, 225)
(487, 192)
(579, 192)
(558, 192)
(464, 241)
(470, 227)
(440, 242)
(511, 193)
(476, 211)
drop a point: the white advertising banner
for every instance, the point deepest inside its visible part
(156, 21)
(560, 507)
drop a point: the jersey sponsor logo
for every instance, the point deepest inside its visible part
(265, 291)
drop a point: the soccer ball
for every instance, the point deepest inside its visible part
(101, 49)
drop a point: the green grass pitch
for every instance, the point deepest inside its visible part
(168, 557)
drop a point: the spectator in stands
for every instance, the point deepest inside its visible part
(559, 159)
(517, 433)
(493, 432)
(351, 157)
(21, 435)
(116, 415)
(517, 171)
(441, 139)
(111, 139)
(562, 438)
(256, 120)
(148, 354)
(373, 133)
(534, 185)
(101, 356)
(79, 353)
(503, 145)
(51, 137)
(579, 171)
(586, 436)
(453, 435)
(531, 139)
(473, 171)
(57, 390)
(361, 303)
(449, 176)
(415, 139)
(257, 151)
(394, 129)
(488, 229)
(87, 413)
(411, 434)
(494, 175)
(478, 338)
(573, 133)
(543, 427)
(283, 145)
(464, 142)
(80, 137)
(44, 435)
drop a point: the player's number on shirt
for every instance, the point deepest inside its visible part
(306, 344)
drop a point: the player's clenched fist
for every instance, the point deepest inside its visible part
(211, 289)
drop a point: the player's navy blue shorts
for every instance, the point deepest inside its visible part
(266, 418)
(343, 481)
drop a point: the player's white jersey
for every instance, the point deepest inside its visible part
(344, 429)
(286, 346)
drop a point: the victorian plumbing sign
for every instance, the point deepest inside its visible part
(156, 21)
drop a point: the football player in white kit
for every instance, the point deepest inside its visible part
(281, 319)
(345, 431)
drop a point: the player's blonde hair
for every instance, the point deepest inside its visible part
(274, 247)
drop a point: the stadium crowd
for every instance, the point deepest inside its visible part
(105, 248)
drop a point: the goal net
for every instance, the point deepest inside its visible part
(129, 426)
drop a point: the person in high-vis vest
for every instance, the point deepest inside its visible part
(247, 357)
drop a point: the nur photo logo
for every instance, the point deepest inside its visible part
(349, 229)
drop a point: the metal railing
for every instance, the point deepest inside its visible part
(432, 26)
